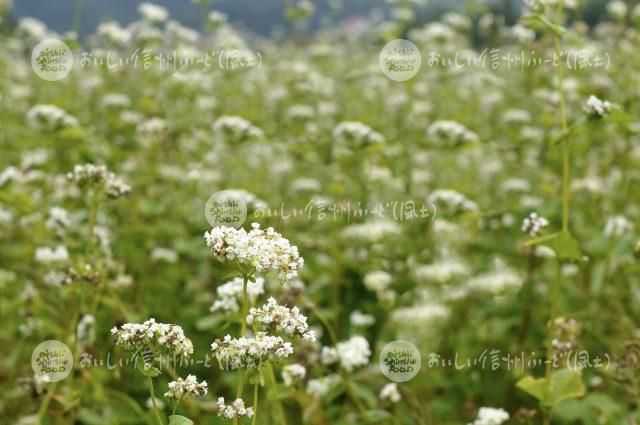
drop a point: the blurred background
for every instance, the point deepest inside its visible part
(262, 17)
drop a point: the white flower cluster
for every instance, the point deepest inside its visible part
(534, 224)
(152, 12)
(182, 388)
(352, 353)
(153, 127)
(50, 116)
(98, 176)
(293, 373)
(377, 280)
(158, 337)
(318, 388)
(442, 271)
(250, 353)
(357, 318)
(354, 134)
(217, 18)
(235, 409)
(618, 225)
(230, 294)
(450, 201)
(372, 231)
(46, 255)
(112, 32)
(390, 392)
(58, 218)
(596, 107)
(491, 416)
(262, 250)
(451, 133)
(503, 278)
(289, 321)
(236, 129)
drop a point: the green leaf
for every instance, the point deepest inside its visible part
(147, 369)
(542, 22)
(179, 420)
(375, 416)
(565, 384)
(534, 387)
(562, 243)
(578, 126)
(621, 117)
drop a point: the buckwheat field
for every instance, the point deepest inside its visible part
(385, 220)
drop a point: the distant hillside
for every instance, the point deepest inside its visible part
(261, 16)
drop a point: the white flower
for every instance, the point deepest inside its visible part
(153, 12)
(86, 328)
(491, 416)
(235, 409)
(617, 9)
(230, 293)
(442, 271)
(596, 107)
(164, 254)
(377, 280)
(361, 320)
(534, 224)
(46, 255)
(288, 321)
(158, 337)
(450, 201)
(217, 18)
(354, 135)
(58, 218)
(250, 353)
(390, 392)
(98, 177)
(153, 127)
(293, 373)
(51, 117)
(372, 231)
(618, 225)
(32, 27)
(236, 129)
(183, 388)
(350, 354)
(263, 250)
(501, 279)
(318, 388)
(451, 133)
(159, 403)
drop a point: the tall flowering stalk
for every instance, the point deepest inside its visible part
(564, 383)
(248, 253)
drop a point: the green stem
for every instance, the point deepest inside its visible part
(242, 374)
(42, 411)
(153, 401)
(565, 127)
(92, 222)
(255, 401)
(245, 305)
(326, 324)
(272, 383)
(553, 311)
